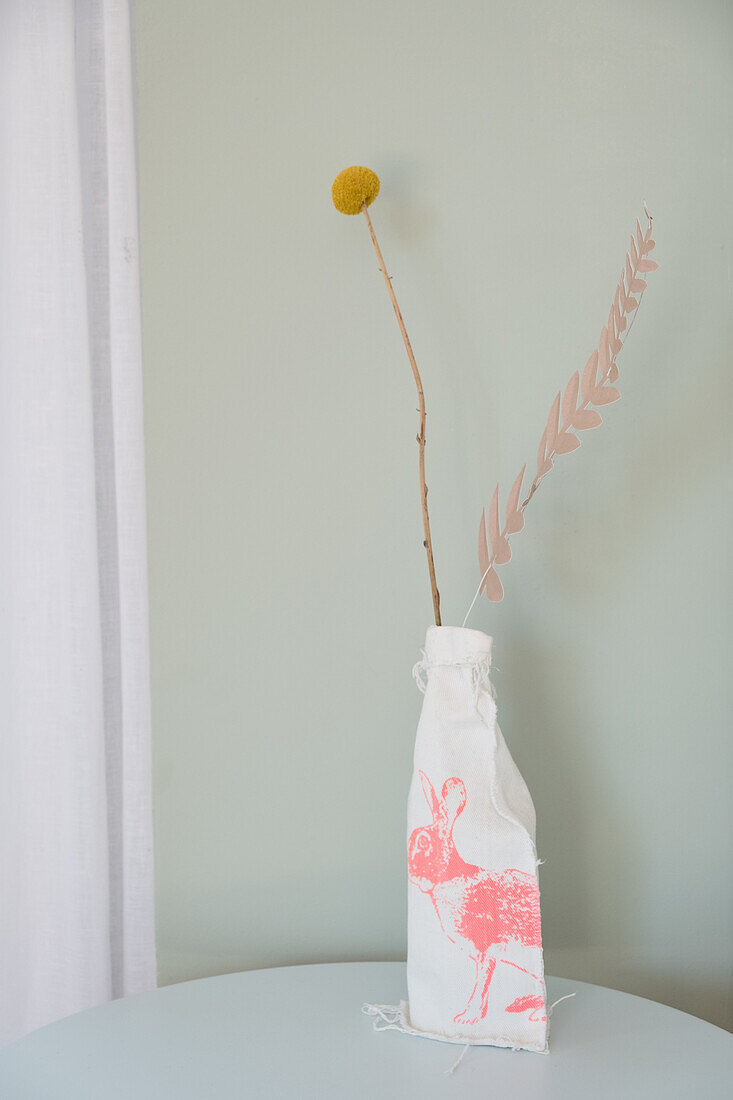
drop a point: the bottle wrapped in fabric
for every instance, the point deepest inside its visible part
(475, 971)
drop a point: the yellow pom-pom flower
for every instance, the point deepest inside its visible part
(353, 187)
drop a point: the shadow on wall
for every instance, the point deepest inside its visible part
(584, 840)
(668, 455)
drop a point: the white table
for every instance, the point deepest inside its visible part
(297, 1032)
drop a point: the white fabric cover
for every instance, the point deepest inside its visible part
(474, 965)
(76, 885)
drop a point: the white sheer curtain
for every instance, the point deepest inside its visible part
(76, 896)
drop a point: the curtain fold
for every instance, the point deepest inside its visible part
(76, 882)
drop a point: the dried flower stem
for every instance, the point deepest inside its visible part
(611, 369)
(428, 544)
(558, 438)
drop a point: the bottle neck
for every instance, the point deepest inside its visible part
(456, 645)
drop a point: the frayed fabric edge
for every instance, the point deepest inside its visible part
(396, 1018)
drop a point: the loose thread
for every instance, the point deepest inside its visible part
(456, 1064)
(557, 1002)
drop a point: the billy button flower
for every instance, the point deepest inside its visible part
(353, 187)
(352, 192)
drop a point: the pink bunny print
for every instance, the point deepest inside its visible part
(479, 910)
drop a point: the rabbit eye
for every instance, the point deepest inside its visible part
(423, 842)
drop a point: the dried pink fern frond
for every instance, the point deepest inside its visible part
(570, 413)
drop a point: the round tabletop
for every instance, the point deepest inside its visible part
(298, 1032)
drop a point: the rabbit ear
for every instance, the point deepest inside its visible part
(453, 797)
(430, 796)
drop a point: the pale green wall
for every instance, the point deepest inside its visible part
(515, 143)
